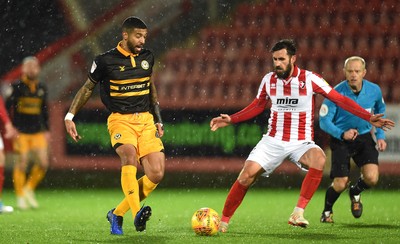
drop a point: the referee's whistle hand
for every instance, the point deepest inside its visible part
(350, 135)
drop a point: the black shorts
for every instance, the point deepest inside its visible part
(362, 150)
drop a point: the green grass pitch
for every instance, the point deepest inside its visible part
(78, 216)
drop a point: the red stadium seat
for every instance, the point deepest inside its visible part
(386, 90)
(388, 74)
(333, 48)
(377, 49)
(395, 94)
(373, 71)
(362, 46)
(347, 46)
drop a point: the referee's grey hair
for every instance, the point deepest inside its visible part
(355, 58)
(29, 58)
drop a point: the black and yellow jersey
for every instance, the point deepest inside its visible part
(124, 79)
(28, 107)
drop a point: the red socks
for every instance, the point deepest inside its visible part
(1, 179)
(233, 200)
(309, 186)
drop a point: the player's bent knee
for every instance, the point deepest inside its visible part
(339, 186)
(371, 181)
(246, 179)
(156, 177)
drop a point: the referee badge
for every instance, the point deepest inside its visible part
(145, 65)
(323, 111)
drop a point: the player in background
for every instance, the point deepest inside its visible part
(9, 133)
(291, 92)
(28, 109)
(351, 137)
(124, 75)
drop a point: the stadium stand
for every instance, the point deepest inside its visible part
(326, 35)
(18, 39)
(211, 63)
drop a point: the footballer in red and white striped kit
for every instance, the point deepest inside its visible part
(290, 91)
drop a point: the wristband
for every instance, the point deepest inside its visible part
(69, 116)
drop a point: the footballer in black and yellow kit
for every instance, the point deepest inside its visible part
(29, 112)
(135, 126)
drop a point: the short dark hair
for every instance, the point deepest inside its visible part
(287, 44)
(133, 22)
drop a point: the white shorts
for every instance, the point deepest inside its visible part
(270, 152)
(1, 143)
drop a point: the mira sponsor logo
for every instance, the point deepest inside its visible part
(287, 100)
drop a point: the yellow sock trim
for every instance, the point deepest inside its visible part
(36, 176)
(19, 179)
(130, 187)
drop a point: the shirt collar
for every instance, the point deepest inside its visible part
(123, 51)
(294, 74)
(350, 91)
(295, 71)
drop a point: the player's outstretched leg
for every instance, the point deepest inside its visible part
(232, 202)
(308, 187)
(115, 223)
(141, 218)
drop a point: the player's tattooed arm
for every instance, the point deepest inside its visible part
(80, 99)
(156, 110)
(154, 102)
(82, 96)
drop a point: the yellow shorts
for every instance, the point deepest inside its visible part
(27, 142)
(137, 129)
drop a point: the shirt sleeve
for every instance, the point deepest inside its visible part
(327, 114)
(348, 105)
(252, 110)
(380, 108)
(3, 112)
(96, 72)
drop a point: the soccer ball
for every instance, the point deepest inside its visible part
(205, 222)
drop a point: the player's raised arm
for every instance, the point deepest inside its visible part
(378, 121)
(349, 105)
(252, 110)
(80, 99)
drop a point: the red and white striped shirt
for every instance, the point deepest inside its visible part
(292, 104)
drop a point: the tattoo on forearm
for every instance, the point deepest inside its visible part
(155, 104)
(82, 96)
(153, 92)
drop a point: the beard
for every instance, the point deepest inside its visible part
(134, 49)
(283, 73)
(31, 76)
